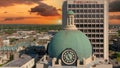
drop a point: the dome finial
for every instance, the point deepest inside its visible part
(70, 13)
(70, 21)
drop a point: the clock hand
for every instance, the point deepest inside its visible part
(67, 57)
(70, 56)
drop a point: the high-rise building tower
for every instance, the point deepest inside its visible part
(91, 17)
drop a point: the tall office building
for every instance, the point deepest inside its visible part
(91, 17)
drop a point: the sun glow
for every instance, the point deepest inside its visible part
(59, 21)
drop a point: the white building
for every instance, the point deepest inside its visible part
(6, 42)
(3, 59)
(23, 62)
(91, 17)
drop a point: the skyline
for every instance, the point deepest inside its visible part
(42, 12)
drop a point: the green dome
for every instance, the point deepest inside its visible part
(70, 12)
(76, 40)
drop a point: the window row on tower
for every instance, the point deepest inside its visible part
(98, 55)
(97, 40)
(89, 25)
(85, 5)
(98, 46)
(89, 20)
(93, 31)
(98, 50)
(94, 36)
(90, 30)
(89, 16)
(88, 10)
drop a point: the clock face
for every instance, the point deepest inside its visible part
(69, 56)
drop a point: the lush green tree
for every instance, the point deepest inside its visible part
(9, 31)
(117, 55)
(40, 28)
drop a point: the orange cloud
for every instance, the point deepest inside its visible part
(114, 17)
(33, 20)
(45, 10)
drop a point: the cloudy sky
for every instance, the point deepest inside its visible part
(42, 11)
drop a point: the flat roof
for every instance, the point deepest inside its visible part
(18, 62)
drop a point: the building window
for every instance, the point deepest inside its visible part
(93, 21)
(89, 21)
(77, 25)
(97, 25)
(97, 21)
(69, 6)
(97, 50)
(89, 30)
(93, 40)
(97, 55)
(101, 16)
(102, 10)
(81, 20)
(94, 50)
(89, 16)
(89, 35)
(93, 16)
(93, 10)
(97, 15)
(97, 40)
(77, 5)
(97, 45)
(97, 6)
(89, 25)
(85, 30)
(101, 55)
(93, 45)
(81, 6)
(101, 25)
(74, 11)
(85, 11)
(81, 16)
(85, 16)
(93, 35)
(97, 30)
(101, 21)
(101, 50)
(85, 25)
(85, 5)
(73, 5)
(77, 11)
(93, 5)
(97, 11)
(101, 45)
(101, 30)
(76, 21)
(81, 25)
(101, 35)
(101, 40)
(81, 11)
(97, 35)
(102, 5)
(82, 30)
(93, 25)
(89, 5)
(85, 21)
(76, 16)
(89, 11)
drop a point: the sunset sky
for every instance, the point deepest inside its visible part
(42, 11)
